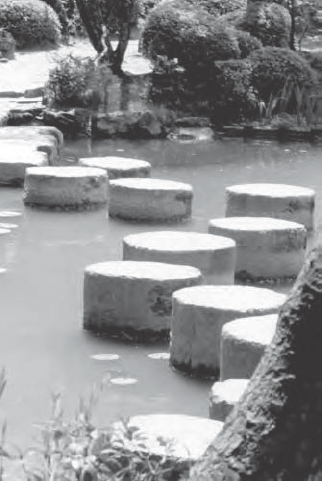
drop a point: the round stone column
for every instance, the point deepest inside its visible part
(266, 248)
(280, 201)
(224, 396)
(66, 188)
(243, 343)
(154, 200)
(118, 167)
(214, 256)
(133, 300)
(199, 314)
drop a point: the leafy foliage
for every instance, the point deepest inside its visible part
(31, 22)
(178, 30)
(77, 82)
(247, 43)
(272, 67)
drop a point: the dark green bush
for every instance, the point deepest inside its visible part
(218, 7)
(247, 43)
(7, 44)
(178, 30)
(272, 67)
(233, 96)
(269, 22)
(77, 82)
(32, 23)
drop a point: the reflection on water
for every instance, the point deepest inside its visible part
(42, 344)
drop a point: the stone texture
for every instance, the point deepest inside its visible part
(15, 160)
(150, 199)
(133, 299)
(199, 314)
(69, 188)
(188, 436)
(45, 139)
(266, 248)
(224, 396)
(119, 167)
(243, 343)
(214, 256)
(280, 201)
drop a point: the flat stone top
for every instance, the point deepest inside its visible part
(258, 330)
(230, 298)
(271, 190)
(117, 163)
(157, 271)
(189, 435)
(66, 172)
(230, 390)
(255, 224)
(151, 184)
(178, 241)
(4, 231)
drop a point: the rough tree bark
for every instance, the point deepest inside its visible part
(275, 432)
(104, 18)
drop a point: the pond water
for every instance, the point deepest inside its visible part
(42, 345)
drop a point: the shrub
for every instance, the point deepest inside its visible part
(77, 82)
(247, 43)
(31, 22)
(233, 96)
(268, 22)
(7, 44)
(177, 30)
(272, 67)
(218, 7)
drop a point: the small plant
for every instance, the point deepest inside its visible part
(31, 23)
(78, 82)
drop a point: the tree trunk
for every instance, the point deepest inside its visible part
(101, 19)
(275, 431)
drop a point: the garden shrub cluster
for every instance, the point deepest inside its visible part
(77, 82)
(272, 67)
(32, 23)
(220, 64)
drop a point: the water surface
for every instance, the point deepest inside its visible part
(42, 344)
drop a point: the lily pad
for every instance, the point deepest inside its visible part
(105, 357)
(123, 381)
(159, 355)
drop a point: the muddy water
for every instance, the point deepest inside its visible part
(42, 345)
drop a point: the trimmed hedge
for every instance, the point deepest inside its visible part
(268, 22)
(247, 43)
(32, 23)
(272, 67)
(234, 98)
(177, 30)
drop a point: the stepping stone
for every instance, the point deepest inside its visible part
(14, 163)
(68, 188)
(175, 437)
(154, 200)
(224, 396)
(42, 138)
(199, 314)
(214, 256)
(133, 299)
(266, 248)
(243, 343)
(118, 167)
(280, 201)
